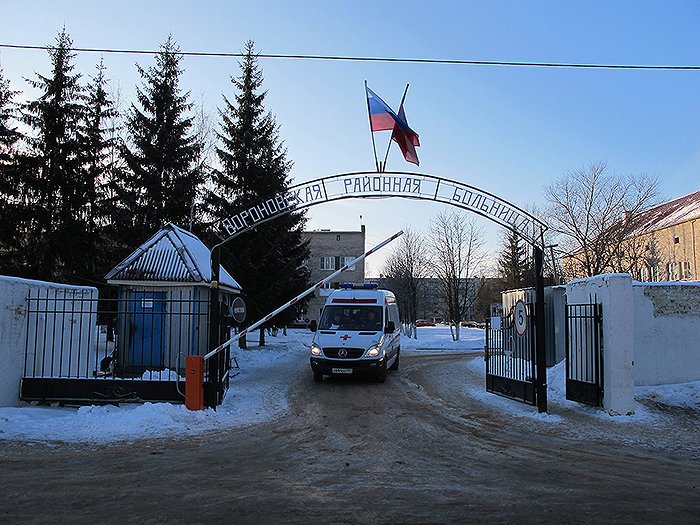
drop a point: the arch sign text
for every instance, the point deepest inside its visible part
(384, 185)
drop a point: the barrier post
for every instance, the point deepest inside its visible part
(194, 382)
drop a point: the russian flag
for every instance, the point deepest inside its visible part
(381, 116)
(406, 138)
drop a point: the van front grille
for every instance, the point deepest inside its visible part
(353, 353)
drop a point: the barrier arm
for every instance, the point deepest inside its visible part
(301, 296)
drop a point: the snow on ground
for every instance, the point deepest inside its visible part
(259, 393)
(438, 339)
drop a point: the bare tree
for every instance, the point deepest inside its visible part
(403, 273)
(457, 253)
(651, 260)
(596, 214)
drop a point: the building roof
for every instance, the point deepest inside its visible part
(670, 213)
(171, 255)
(316, 232)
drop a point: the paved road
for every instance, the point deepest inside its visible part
(413, 450)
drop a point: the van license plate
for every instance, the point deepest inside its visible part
(342, 370)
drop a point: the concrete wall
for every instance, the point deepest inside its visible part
(40, 333)
(650, 333)
(666, 333)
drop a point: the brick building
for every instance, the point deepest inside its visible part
(329, 251)
(671, 240)
(664, 246)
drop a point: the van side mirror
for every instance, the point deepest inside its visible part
(313, 326)
(390, 327)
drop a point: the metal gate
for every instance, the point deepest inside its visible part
(510, 357)
(584, 353)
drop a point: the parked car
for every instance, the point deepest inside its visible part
(423, 322)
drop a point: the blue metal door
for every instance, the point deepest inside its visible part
(146, 315)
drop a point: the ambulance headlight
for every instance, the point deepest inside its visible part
(373, 351)
(315, 349)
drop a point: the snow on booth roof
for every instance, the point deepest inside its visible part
(171, 255)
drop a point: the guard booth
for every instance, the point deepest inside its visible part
(81, 347)
(163, 299)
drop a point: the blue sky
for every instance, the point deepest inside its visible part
(509, 131)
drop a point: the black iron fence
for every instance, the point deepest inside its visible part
(133, 347)
(584, 353)
(510, 356)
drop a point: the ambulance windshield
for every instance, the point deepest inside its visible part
(356, 318)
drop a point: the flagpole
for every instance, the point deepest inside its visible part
(389, 145)
(369, 116)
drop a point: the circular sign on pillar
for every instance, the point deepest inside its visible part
(239, 310)
(520, 317)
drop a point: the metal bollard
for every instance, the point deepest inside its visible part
(194, 382)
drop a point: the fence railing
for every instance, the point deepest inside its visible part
(145, 335)
(584, 359)
(217, 369)
(510, 360)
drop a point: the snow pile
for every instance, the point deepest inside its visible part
(686, 395)
(162, 375)
(502, 404)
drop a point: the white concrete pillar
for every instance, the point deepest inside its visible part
(13, 322)
(614, 292)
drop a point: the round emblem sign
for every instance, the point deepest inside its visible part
(239, 310)
(520, 321)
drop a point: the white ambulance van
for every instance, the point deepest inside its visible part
(359, 334)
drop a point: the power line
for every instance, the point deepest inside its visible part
(341, 58)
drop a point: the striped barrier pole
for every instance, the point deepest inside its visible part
(301, 295)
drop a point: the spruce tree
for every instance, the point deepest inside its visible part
(9, 178)
(163, 176)
(54, 209)
(514, 268)
(98, 143)
(8, 131)
(267, 262)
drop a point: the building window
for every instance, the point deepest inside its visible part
(684, 270)
(671, 269)
(653, 273)
(327, 263)
(347, 260)
(676, 240)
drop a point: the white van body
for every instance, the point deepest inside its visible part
(359, 333)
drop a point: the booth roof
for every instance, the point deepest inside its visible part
(171, 255)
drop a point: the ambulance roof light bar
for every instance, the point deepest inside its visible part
(356, 286)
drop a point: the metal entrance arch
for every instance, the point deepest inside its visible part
(409, 185)
(366, 184)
